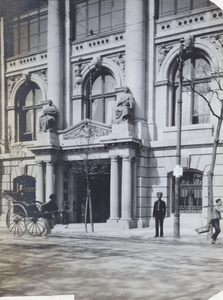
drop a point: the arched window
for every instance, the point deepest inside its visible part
(195, 76)
(102, 97)
(27, 103)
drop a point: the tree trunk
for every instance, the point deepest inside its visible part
(90, 207)
(85, 215)
(211, 171)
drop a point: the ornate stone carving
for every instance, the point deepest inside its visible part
(162, 53)
(11, 83)
(216, 40)
(85, 131)
(48, 120)
(120, 61)
(40, 75)
(124, 108)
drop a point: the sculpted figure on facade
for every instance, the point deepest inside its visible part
(49, 117)
(125, 105)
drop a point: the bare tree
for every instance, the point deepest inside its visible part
(211, 92)
(88, 166)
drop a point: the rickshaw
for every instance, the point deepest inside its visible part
(23, 216)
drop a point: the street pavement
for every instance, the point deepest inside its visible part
(111, 264)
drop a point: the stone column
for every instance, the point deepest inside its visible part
(135, 54)
(55, 55)
(114, 189)
(40, 182)
(49, 179)
(59, 184)
(126, 188)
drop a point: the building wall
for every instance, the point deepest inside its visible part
(142, 55)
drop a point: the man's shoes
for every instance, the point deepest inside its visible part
(213, 242)
(162, 236)
(156, 236)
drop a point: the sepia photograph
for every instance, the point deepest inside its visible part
(111, 149)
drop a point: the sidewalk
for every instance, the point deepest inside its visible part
(187, 232)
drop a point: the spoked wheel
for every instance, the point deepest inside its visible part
(35, 225)
(16, 219)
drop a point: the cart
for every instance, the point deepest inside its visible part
(22, 216)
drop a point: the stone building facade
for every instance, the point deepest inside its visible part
(81, 54)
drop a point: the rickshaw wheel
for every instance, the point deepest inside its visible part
(16, 219)
(35, 225)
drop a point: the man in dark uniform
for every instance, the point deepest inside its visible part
(49, 209)
(159, 213)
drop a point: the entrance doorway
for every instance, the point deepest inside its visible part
(190, 192)
(100, 197)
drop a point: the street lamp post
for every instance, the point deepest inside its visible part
(79, 82)
(178, 171)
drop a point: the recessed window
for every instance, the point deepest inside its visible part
(27, 104)
(195, 77)
(99, 105)
(173, 7)
(96, 16)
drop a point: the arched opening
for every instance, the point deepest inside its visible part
(28, 100)
(195, 110)
(190, 192)
(102, 97)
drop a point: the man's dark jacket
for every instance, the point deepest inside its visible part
(159, 211)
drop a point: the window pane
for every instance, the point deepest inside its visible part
(93, 10)
(106, 6)
(201, 112)
(109, 109)
(29, 99)
(81, 29)
(118, 4)
(166, 7)
(81, 12)
(24, 45)
(186, 107)
(94, 24)
(200, 3)
(118, 19)
(97, 110)
(97, 88)
(37, 96)
(34, 43)
(33, 27)
(29, 121)
(15, 32)
(16, 47)
(109, 84)
(106, 22)
(43, 40)
(24, 30)
(43, 24)
(187, 69)
(202, 68)
(183, 6)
